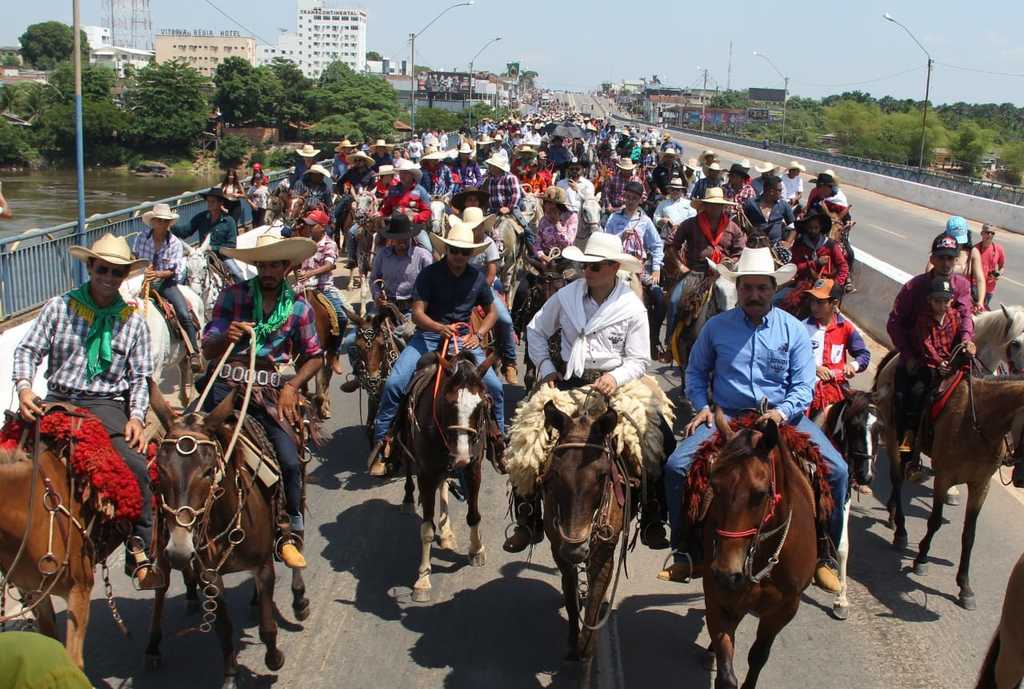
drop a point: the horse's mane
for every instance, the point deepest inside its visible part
(739, 449)
(858, 401)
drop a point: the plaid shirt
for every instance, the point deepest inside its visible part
(170, 256)
(59, 332)
(614, 187)
(326, 254)
(934, 341)
(504, 191)
(315, 195)
(740, 198)
(296, 336)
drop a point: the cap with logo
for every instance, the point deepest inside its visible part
(944, 245)
(940, 287)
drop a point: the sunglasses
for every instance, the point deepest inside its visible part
(596, 267)
(116, 272)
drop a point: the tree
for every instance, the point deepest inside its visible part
(97, 82)
(47, 44)
(231, 150)
(365, 98)
(169, 106)
(1013, 157)
(25, 99)
(969, 144)
(14, 148)
(291, 106)
(436, 119)
(336, 127)
(103, 124)
(729, 99)
(245, 94)
(374, 56)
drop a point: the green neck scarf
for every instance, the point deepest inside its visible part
(101, 328)
(282, 309)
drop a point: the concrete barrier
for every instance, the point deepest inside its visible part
(878, 283)
(998, 213)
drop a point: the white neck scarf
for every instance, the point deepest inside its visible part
(614, 309)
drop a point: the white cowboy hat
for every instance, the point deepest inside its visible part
(160, 211)
(308, 151)
(743, 164)
(460, 236)
(110, 249)
(713, 195)
(473, 217)
(272, 248)
(359, 155)
(381, 143)
(625, 164)
(318, 169)
(484, 140)
(764, 167)
(795, 165)
(343, 144)
(436, 155)
(602, 246)
(385, 170)
(465, 148)
(716, 166)
(676, 183)
(692, 163)
(498, 161)
(708, 152)
(756, 262)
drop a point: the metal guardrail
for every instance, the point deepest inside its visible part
(971, 186)
(35, 266)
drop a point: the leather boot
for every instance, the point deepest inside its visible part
(652, 526)
(291, 555)
(529, 527)
(826, 577)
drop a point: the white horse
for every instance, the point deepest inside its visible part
(590, 220)
(206, 282)
(438, 213)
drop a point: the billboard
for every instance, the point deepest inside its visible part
(767, 95)
(444, 85)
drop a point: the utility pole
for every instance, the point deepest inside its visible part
(79, 143)
(927, 85)
(703, 99)
(728, 76)
(412, 82)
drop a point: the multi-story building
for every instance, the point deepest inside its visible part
(119, 58)
(323, 35)
(204, 50)
(98, 36)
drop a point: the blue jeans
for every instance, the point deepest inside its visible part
(678, 465)
(402, 373)
(352, 247)
(503, 329)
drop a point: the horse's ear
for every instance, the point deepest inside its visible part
(158, 403)
(555, 417)
(607, 422)
(1009, 320)
(486, 364)
(769, 437)
(724, 429)
(215, 419)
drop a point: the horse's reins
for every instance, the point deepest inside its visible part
(454, 341)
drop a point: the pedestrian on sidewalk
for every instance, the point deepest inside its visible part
(992, 260)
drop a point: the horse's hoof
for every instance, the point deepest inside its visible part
(301, 611)
(274, 660)
(953, 499)
(968, 601)
(477, 559)
(448, 542)
(841, 612)
(899, 541)
(421, 595)
(408, 508)
(921, 568)
(153, 661)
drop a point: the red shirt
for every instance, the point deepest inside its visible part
(401, 200)
(806, 259)
(992, 259)
(934, 340)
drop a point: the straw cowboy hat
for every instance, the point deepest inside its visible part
(708, 152)
(385, 170)
(381, 143)
(460, 236)
(625, 164)
(319, 170)
(466, 148)
(826, 177)
(459, 200)
(796, 165)
(436, 155)
(344, 145)
(676, 183)
(160, 211)
(755, 262)
(714, 196)
(693, 164)
(273, 248)
(602, 246)
(498, 161)
(308, 151)
(557, 196)
(110, 249)
(409, 166)
(525, 151)
(484, 140)
(669, 152)
(764, 167)
(359, 155)
(715, 166)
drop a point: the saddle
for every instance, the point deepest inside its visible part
(174, 326)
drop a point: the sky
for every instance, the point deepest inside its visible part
(824, 48)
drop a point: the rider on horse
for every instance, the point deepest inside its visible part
(216, 224)
(317, 272)
(444, 295)
(576, 185)
(751, 354)
(603, 343)
(339, 165)
(815, 255)
(166, 256)
(768, 214)
(615, 186)
(382, 154)
(465, 167)
(284, 325)
(503, 189)
(99, 358)
(437, 177)
(408, 196)
(315, 188)
(915, 378)
(673, 210)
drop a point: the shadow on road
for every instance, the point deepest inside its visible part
(656, 642)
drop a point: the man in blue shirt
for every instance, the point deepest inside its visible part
(769, 213)
(749, 353)
(445, 293)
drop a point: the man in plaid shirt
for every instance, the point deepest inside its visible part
(99, 358)
(502, 186)
(615, 186)
(283, 324)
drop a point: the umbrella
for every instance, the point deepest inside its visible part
(566, 131)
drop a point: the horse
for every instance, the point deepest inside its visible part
(445, 426)
(1004, 663)
(207, 273)
(508, 236)
(999, 338)
(39, 490)
(854, 427)
(545, 283)
(709, 295)
(366, 222)
(760, 536)
(589, 220)
(587, 511)
(217, 518)
(324, 319)
(376, 350)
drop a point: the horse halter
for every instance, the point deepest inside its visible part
(599, 524)
(186, 516)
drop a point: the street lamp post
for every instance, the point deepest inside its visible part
(412, 59)
(471, 79)
(79, 138)
(785, 92)
(927, 86)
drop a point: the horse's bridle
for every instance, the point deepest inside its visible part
(600, 526)
(186, 445)
(839, 432)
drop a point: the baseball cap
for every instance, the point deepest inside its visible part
(317, 217)
(634, 187)
(940, 287)
(945, 245)
(956, 227)
(822, 289)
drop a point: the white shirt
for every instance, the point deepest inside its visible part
(675, 211)
(791, 186)
(575, 197)
(429, 139)
(415, 149)
(621, 348)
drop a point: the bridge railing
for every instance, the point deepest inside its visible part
(35, 265)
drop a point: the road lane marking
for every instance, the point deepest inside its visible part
(1011, 280)
(894, 234)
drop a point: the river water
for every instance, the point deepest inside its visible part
(44, 198)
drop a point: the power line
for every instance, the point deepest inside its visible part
(866, 81)
(239, 24)
(980, 71)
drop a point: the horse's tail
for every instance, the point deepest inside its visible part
(987, 677)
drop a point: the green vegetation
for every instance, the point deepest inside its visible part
(443, 120)
(47, 44)
(232, 150)
(374, 56)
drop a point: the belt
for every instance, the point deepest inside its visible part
(75, 393)
(241, 374)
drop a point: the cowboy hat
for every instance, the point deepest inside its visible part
(161, 211)
(359, 155)
(625, 164)
(693, 164)
(318, 170)
(816, 213)
(404, 165)
(385, 170)
(676, 183)
(740, 167)
(557, 196)
(381, 143)
(400, 227)
(714, 167)
(459, 200)
(602, 246)
(484, 140)
(525, 151)
(764, 167)
(273, 248)
(826, 177)
(708, 152)
(756, 262)
(344, 144)
(109, 249)
(436, 155)
(795, 165)
(498, 161)
(460, 236)
(215, 192)
(670, 151)
(715, 196)
(464, 147)
(308, 151)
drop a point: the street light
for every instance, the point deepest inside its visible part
(927, 85)
(488, 43)
(785, 93)
(412, 59)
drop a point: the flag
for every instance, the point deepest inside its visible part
(512, 69)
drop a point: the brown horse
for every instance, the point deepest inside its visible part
(1004, 663)
(444, 427)
(329, 340)
(760, 538)
(218, 519)
(51, 537)
(545, 284)
(376, 349)
(587, 507)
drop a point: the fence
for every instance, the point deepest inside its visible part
(36, 266)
